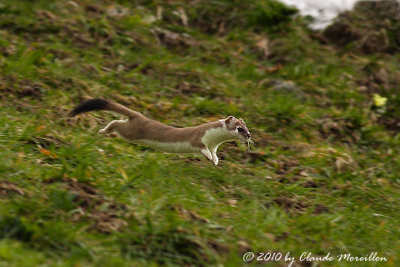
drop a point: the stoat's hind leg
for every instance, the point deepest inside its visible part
(111, 126)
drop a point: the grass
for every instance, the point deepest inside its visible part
(323, 176)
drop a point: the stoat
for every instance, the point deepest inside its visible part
(204, 138)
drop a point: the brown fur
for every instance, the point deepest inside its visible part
(204, 138)
(141, 127)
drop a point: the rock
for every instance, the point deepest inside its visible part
(371, 27)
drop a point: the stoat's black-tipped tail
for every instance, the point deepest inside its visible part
(90, 105)
(101, 104)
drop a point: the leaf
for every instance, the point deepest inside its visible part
(123, 174)
(192, 215)
(117, 11)
(40, 128)
(274, 69)
(379, 101)
(180, 12)
(7, 187)
(263, 46)
(232, 202)
(47, 152)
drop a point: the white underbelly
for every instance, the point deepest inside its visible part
(176, 147)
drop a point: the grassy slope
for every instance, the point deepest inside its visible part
(322, 178)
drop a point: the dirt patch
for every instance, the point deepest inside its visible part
(290, 204)
(340, 129)
(392, 124)
(243, 247)
(94, 10)
(262, 139)
(222, 16)
(282, 236)
(84, 194)
(42, 24)
(255, 156)
(306, 263)
(9, 188)
(310, 184)
(285, 165)
(146, 69)
(190, 215)
(16, 228)
(173, 39)
(342, 33)
(46, 141)
(107, 222)
(375, 79)
(234, 152)
(320, 208)
(371, 27)
(28, 89)
(107, 215)
(187, 88)
(46, 16)
(217, 246)
(20, 88)
(178, 241)
(73, 31)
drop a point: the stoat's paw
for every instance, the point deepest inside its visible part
(206, 153)
(102, 131)
(214, 158)
(215, 161)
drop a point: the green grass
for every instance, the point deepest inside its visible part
(323, 176)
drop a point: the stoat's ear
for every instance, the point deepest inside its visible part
(230, 120)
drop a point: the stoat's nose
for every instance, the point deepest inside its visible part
(248, 135)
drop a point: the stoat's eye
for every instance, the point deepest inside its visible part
(240, 129)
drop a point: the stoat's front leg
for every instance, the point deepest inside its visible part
(210, 155)
(214, 156)
(207, 153)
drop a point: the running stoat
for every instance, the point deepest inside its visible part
(203, 139)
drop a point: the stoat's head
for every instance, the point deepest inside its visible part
(238, 128)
